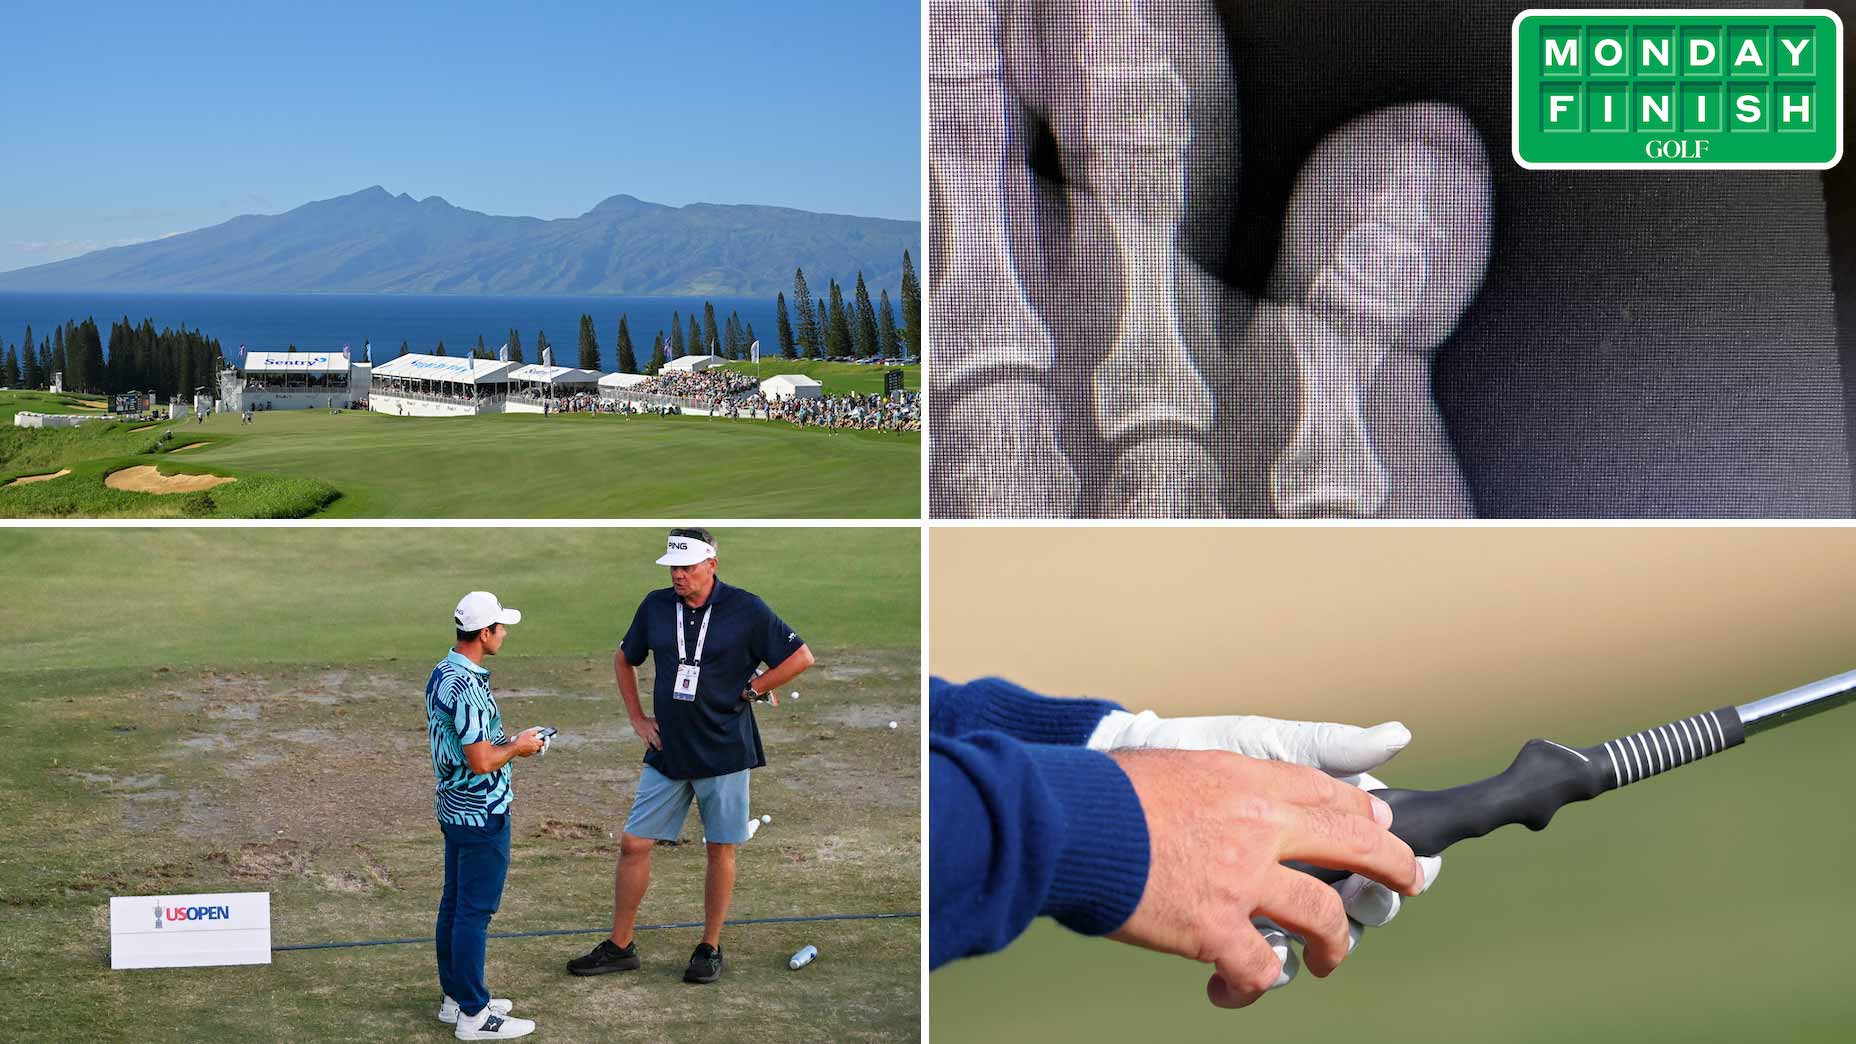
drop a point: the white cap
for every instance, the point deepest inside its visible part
(686, 551)
(480, 609)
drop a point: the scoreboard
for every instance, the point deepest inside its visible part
(1608, 89)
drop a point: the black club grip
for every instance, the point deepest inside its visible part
(1546, 776)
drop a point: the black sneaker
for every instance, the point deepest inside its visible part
(705, 964)
(606, 958)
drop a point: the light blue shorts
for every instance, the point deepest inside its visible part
(663, 804)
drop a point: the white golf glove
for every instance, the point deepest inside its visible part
(1346, 752)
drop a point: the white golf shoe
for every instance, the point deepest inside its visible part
(448, 1008)
(489, 1025)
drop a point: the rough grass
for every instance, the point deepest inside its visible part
(191, 747)
(83, 494)
(838, 378)
(26, 451)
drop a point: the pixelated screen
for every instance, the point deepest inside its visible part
(1275, 259)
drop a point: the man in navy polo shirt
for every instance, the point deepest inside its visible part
(706, 639)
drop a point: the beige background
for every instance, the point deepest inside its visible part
(1458, 632)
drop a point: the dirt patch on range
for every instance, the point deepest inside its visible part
(24, 479)
(146, 479)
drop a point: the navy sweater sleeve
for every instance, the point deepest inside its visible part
(996, 705)
(1018, 830)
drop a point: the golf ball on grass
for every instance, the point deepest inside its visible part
(766, 819)
(892, 725)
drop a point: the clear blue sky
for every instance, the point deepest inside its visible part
(126, 121)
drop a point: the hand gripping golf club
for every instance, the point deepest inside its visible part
(1547, 775)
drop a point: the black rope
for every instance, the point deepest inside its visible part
(607, 931)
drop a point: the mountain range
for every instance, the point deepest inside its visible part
(373, 241)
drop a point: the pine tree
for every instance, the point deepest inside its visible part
(785, 325)
(515, 346)
(675, 344)
(482, 351)
(628, 361)
(864, 333)
(807, 334)
(589, 345)
(695, 341)
(440, 351)
(58, 362)
(404, 348)
(657, 355)
(542, 346)
(748, 339)
(886, 334)
(824, 326)
(731, 337)
(711, 343)
(30, 374)
(838, 338)
(9, 370)
(911, 311)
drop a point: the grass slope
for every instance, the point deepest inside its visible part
(838, 378)
(242, 711)
(12, 402)
(512, 466)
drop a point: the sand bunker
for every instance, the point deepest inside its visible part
(190, 445)
(145, 427)
(145, 479)
(60, 473)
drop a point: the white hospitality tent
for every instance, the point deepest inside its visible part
(791, 386)
(693, 363)
(554, 381)
(441, 377)
(618, 382)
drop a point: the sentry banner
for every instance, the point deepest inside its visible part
(1677, 89)
(190, 931)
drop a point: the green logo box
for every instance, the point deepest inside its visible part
(1686, 89)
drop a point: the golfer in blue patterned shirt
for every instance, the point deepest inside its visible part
(470, 758)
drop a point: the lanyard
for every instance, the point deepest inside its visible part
(702, 633)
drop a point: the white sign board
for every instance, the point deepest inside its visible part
(190, 931)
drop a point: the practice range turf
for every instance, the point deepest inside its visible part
(505, 466)
(196, 711)
(1711, 904)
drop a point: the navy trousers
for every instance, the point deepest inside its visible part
(476, 862)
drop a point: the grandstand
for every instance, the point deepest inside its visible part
(293, 381)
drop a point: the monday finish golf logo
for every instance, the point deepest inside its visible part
(1697, 89)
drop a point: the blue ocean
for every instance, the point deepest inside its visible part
(326, 322)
